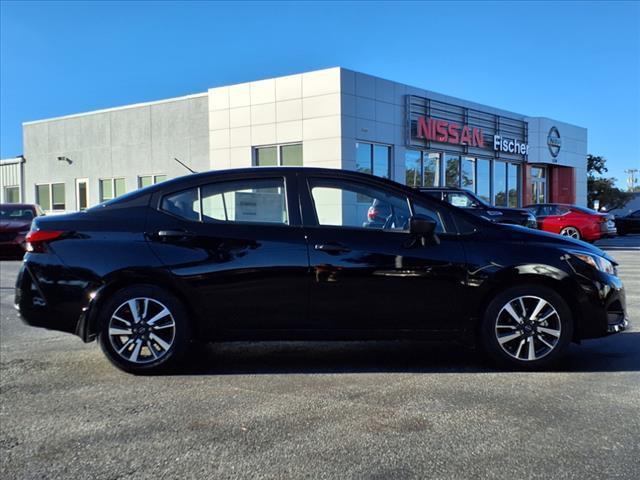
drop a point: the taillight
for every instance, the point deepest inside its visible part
(36, 239)
(372, 213)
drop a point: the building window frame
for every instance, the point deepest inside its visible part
(86, 186)
(372, 168)
(10, 188)
(278, 146)
(53, 206)
(154, 179)
(113, 188)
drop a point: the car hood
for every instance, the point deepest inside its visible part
(529, 235)
(510, 211)
(14, 225)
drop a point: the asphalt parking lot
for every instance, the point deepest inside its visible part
(382, 410)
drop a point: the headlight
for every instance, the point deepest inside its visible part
(597, 262)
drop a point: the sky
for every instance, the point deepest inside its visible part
(577, 62)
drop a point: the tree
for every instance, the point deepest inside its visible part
(603, 189)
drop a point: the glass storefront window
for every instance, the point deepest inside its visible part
(513, 183)
(452, 170)
(431, 169)
(363, 157)
(413, 168)
(422, 169)
(468, 178)
(483, 181)
(499, 184)
(382, 161)
(538, 184)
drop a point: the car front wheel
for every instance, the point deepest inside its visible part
(528, 326)
(144, 330)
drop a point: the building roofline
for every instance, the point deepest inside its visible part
(115, 109)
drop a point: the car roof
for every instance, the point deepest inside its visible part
(18, 205)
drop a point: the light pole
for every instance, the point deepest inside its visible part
(631, 179)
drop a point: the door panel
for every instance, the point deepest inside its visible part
(370, 275)
(248, 275)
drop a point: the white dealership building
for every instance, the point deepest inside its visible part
(334, 118)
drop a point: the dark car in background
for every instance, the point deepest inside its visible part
(283, 253)
(15, 222)
(462, 198)
(628, 223)
(573, 221)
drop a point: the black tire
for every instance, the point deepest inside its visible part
(152, 358)
(497, 314)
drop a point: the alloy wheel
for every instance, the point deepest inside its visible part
(142, 330)
(572, 232)
(528, 328)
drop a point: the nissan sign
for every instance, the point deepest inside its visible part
(554, 142)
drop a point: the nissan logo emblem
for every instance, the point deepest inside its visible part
(553, 142)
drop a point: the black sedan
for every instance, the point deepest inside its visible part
(628, 223)
(284, 253)
(462, 198)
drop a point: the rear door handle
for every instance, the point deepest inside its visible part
(333, 248)
(162, 234)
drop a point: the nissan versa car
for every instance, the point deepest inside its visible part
(283, 253)
(462, 198)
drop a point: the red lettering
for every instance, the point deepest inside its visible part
(454, 136)
(478, 140)
(422, 130)
(441, 131)
(465, 137)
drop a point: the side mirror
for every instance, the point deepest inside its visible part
(422, 225)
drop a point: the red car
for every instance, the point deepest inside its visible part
(15, 222)
(573, 221)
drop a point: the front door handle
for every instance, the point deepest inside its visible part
(162, 234)
(332, 248)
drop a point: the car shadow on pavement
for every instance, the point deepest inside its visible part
(618, 353)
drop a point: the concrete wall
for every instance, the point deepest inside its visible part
(123, 142)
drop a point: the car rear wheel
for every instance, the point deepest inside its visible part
(144, 330)
(572, 232)
(528, 326)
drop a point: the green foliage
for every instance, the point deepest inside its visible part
(601, 188)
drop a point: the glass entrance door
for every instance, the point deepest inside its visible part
(538, 184)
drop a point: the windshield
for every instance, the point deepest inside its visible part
(8, 212)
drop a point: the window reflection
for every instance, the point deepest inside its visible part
(513, 182)
(484, 179)
(499, 184)
(452, 172)
(468, 179)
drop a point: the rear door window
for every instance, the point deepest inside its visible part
(256, 200)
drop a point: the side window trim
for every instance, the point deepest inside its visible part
(198, 187)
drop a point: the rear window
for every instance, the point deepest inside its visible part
(8, 212)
